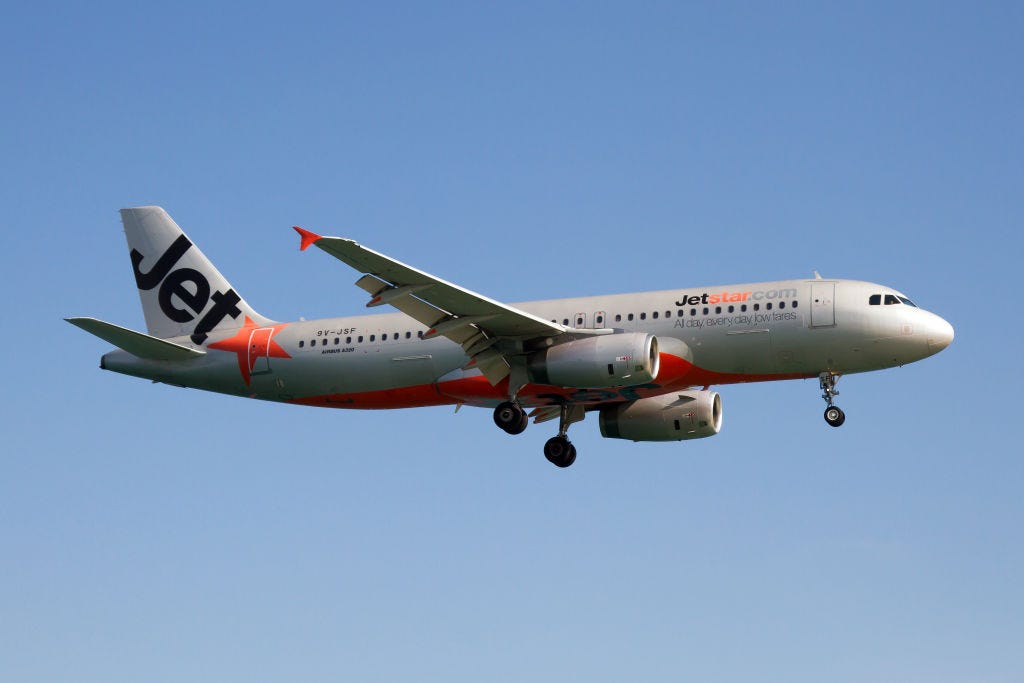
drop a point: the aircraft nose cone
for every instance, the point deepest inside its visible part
(940, 335)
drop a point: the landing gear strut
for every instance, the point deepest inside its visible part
(511, 417)
(559, 450)
(834, 415)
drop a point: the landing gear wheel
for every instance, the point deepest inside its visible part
(834, 416)
(511, 418)
(559, 451)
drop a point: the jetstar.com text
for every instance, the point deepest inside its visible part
(735, 297)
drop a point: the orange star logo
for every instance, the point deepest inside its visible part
(251, 343)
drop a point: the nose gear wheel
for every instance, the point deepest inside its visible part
(834, 415)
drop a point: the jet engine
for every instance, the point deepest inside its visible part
(613, 360)
(677, 416)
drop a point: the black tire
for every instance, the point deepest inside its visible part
(511, 418)
(835, 416)
(559, 451)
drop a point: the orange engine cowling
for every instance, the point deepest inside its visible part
(672, 417)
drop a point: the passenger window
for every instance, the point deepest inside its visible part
(668, 314)
(718, 309)
(655, 315)
(420, 333)
(312, 342)
(301, 343)
(732, 308)
(743, 308)
(768, 307)
(599, 320)
(408, 335)
(630, 317)
(643, 316)
(323, 342)
(693, 312)
(890, 300)
(794, 304)
(782, 304)
(706, 310)
(348, 340)
(373, 337)
(565, 321)
(337, 340)
(360, 339)
(875, 300)
(579, 321)
(680, 313)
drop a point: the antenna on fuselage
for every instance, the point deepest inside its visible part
(817, 275)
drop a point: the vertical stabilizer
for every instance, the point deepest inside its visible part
(182, 292)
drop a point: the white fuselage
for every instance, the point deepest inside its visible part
(708, 335)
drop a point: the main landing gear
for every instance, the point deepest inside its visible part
(511, 417)
(834, 415)
(559, 451)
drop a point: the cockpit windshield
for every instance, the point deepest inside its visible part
(890, 300)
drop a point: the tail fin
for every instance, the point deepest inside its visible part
(182, 292)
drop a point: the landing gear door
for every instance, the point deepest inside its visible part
(823, 304)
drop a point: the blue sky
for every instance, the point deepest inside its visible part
(527, 151)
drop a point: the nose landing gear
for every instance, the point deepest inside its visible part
(834, 415)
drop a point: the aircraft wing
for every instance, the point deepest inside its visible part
(479, 324)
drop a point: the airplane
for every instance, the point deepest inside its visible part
(645, 362)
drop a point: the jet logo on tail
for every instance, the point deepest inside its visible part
(172, 284)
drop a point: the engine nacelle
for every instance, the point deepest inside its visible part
(677, 416)
(612, 360)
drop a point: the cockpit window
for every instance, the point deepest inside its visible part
(890, 300)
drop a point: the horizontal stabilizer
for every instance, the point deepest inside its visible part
(136, 343)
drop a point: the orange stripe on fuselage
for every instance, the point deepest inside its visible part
(675, 374)
(419, 396)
